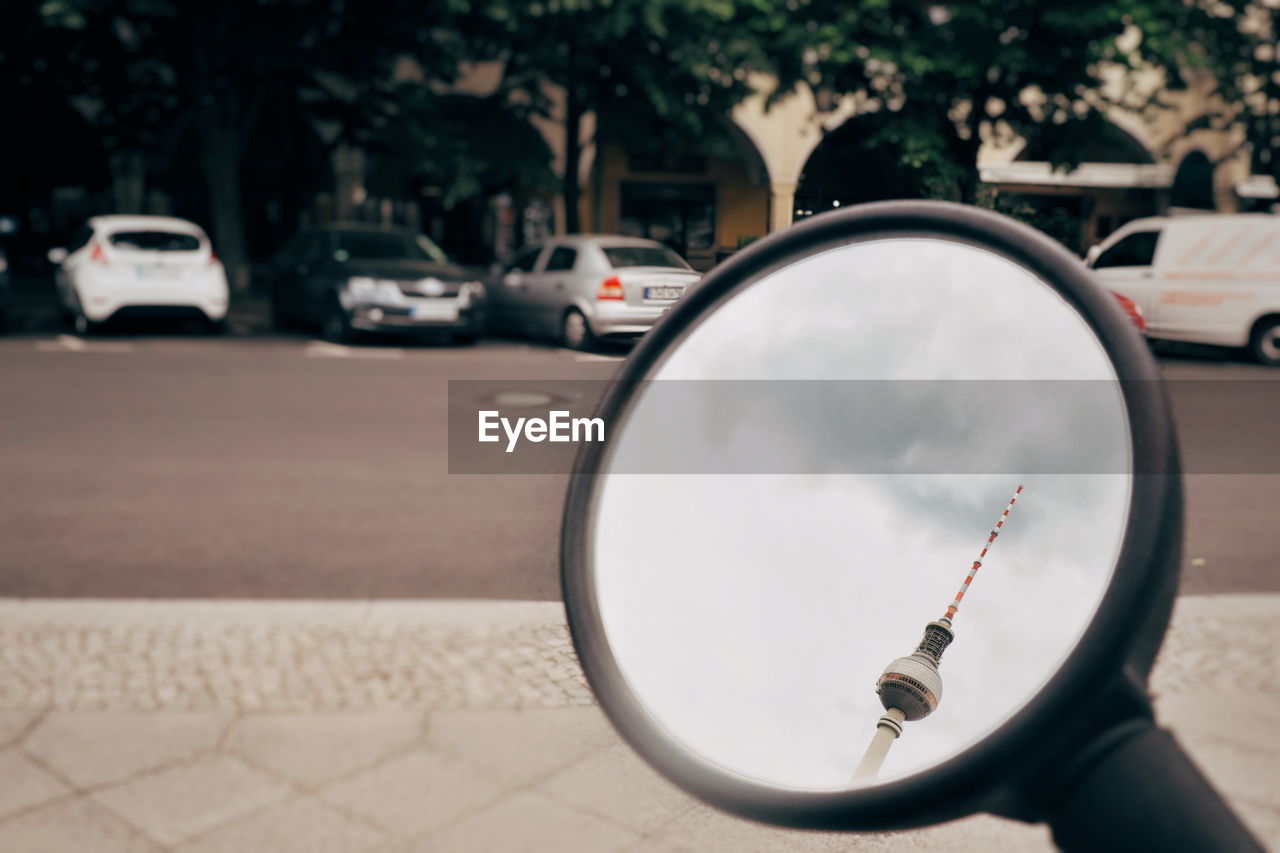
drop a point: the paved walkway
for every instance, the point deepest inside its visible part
(413, 726)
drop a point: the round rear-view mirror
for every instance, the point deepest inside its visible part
(886, 532)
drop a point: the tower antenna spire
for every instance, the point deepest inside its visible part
(977, 564)
(910, 687)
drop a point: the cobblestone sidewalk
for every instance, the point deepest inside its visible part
(413, 726)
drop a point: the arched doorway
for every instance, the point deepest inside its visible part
(56, 173)
(1193, 182)
(705, 201)
(850, 167)
(444, 167)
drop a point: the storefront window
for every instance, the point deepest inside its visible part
(679, 215)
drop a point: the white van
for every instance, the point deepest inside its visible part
(1208, 279)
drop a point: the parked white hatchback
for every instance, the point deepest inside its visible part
(1204, 279)
(119, 266)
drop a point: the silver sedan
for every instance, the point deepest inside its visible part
(579, 289)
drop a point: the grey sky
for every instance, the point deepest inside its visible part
(752, 614)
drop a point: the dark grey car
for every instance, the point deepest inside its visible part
(5, 287)
(343, 279)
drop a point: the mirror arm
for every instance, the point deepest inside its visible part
(1115, 781)
(1065, 752)
(1144, 793)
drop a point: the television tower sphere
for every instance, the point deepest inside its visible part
(912, 683)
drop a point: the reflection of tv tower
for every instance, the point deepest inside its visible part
(910, 687)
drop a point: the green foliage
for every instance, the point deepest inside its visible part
(153, 76)
(954, 74)
(1236, 48)
(146, 67)
(467, 146)
(1057, 222)
(656, 74)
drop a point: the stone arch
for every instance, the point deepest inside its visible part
(1193, 182)
(59, 172)
(786, 133)
(842, 169)
(703, 200)
(1137, 132)
(1115, 142)
(750, 148)
(749, 153)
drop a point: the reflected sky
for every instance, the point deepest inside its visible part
(752, 614)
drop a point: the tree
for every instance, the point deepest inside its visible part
(955, 74)
(150, 73)
(464, 145)
(654, 73)
(1234, 57)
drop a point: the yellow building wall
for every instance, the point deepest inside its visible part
(742, 207)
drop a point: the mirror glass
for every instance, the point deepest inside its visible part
(774, 530)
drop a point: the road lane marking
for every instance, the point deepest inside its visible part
(70, 343)
(324, 349)
(591, 357)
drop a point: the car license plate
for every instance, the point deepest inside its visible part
(663, 292)
(438, 313)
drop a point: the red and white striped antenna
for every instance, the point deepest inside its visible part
(977, 564)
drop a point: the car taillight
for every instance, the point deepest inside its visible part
(1131, 308)
(213, 257)
(96, 254)
(610, 288)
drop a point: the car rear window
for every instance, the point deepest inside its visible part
(155, 241)
(386, 246)
(643, 256)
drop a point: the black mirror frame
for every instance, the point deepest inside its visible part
(1120, 643)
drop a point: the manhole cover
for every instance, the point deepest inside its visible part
(526, 399)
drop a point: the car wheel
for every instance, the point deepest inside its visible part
(1265, 342)
(465, 338)
(215, 327)
(281, 320)
(575, 332)
(83, 325)
(336, 326)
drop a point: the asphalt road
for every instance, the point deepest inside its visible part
(277, 467)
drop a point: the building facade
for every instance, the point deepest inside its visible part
(796, 158)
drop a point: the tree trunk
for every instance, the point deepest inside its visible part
(572, 157)
(967, 148)
(128, 181)
(968, 181)
(220, 157)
